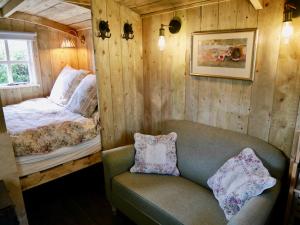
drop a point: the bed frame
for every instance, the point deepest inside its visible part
(41, 177)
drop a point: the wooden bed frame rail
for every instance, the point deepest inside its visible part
(53, 173)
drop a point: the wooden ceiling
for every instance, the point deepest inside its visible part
(150, 7)
(69, 13)
(76, 14)
(3, 2)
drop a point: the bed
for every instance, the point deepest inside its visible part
(50, 141)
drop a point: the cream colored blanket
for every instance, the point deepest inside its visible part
(40, 126)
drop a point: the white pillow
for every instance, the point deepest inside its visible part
(65, 84)
(84, 99)
(155, 154)
(238, 180)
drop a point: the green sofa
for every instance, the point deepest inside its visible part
(201, 150)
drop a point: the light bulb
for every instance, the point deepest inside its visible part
(161, 43)
(287, 30)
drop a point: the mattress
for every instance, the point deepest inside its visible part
(35, 163)
(39, 126)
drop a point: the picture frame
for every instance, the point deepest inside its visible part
(225, 54)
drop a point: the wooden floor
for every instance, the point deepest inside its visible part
(77, 199)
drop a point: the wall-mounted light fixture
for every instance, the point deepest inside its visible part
(68, 43)
(174, 27)
(104, 30)
(128, 31)
(287, 29)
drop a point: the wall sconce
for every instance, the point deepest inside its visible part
(68, 43)
(174, 27)
(128, 31)
(104, 31)
(287, 29)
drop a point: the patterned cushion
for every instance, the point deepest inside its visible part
(65, 84)
(238, 180)
(155, 154)
(84, 100)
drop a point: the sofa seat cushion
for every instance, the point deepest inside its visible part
(169, 199)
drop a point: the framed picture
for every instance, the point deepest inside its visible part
(225, 54)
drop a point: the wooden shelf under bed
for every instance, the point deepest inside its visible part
(41, 177)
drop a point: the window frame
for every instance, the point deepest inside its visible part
(22, 36)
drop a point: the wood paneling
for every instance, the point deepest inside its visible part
(3, 2)
(83, 3)
(266, 108)
(154, 7)
(25, 17)
(50, 59)
(269, 24)
(119, 74)
(11, 7)
(286, 92)
(8, 171)
(298, 119)
(85, 50)
(76, 16)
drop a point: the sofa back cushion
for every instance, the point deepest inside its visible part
(202, 150)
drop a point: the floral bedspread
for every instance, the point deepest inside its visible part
(40, 126)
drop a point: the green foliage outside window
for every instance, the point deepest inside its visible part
(20, 73)
(3, 74)
(14, 68)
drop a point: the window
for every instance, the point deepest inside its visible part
(16, 59)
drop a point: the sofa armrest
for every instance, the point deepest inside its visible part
(257, 211)
(115, 162)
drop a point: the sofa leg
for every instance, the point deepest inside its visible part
(114, 210)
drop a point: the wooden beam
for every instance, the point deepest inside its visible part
(257, 4)
(82, 3)
(11, 7)
(42, 21)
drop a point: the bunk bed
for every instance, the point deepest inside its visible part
(51, 139)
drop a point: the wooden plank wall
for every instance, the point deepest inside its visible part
(286, 92)
(119, 70)
(51, 57)
(85, 50)
(8, 171)
(266, 108)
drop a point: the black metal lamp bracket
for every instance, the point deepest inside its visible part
(128, 31)
(104, 31)
(174, 25)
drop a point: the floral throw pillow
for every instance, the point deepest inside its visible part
(155, 154)
(238, 180)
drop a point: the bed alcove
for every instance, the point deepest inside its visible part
(140, 86)
(50, 24)
(50, 57)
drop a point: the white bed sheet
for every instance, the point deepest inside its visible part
(34, 163)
